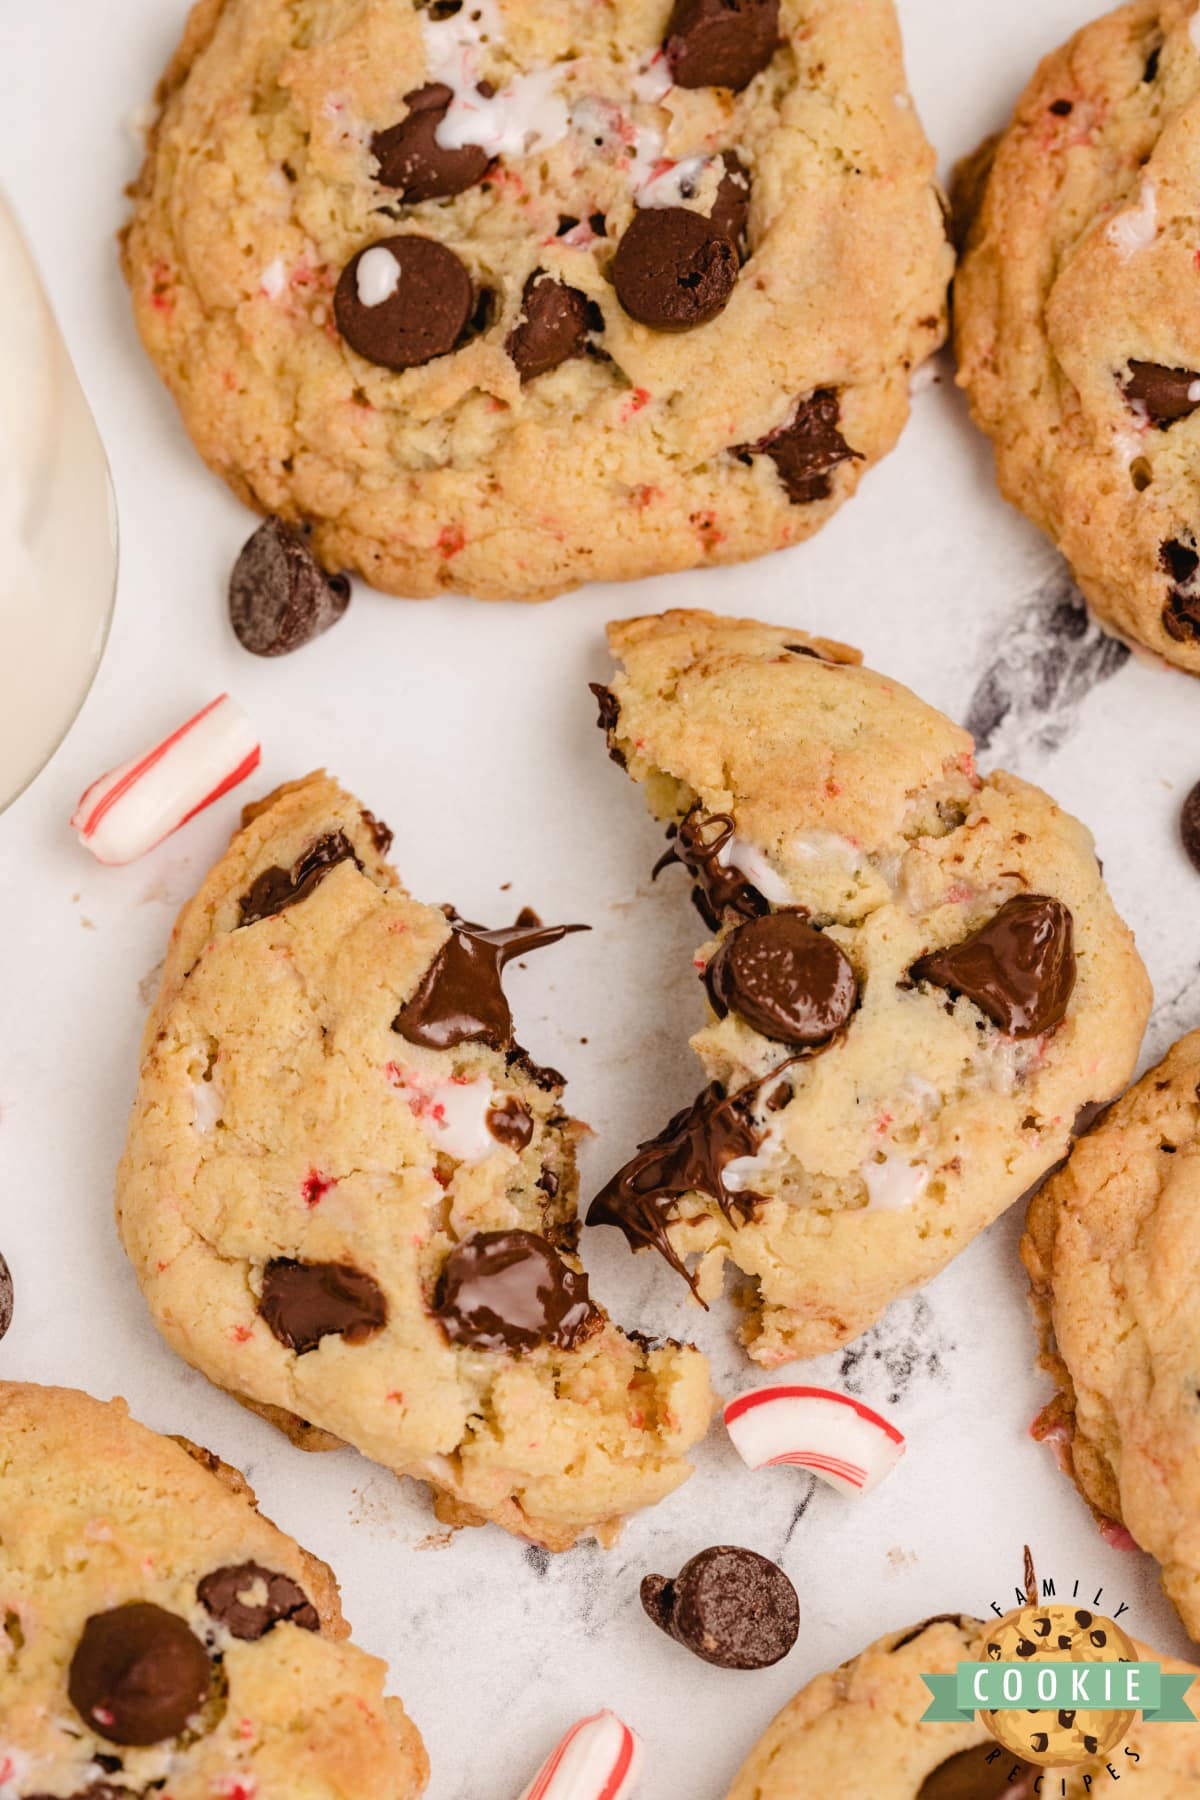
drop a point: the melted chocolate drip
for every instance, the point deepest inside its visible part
(609, 714)
(689, 1156)
(717, 889)
(276, 889)
(910, 1637)
(460, 999)
(787, 980)
(1019, 968)
(511, 1291)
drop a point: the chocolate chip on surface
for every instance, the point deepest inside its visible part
(984, 1772)
(411, 159)
(790, 982)
(279, 595)
(721, 43)
(6, 1297)
(1189, 831)
(510, 1122)
(807, 449)
(411, 302)
(728, 1606)
(1163, 394)
(305, 1302)
(511, 1291)
(138, 1674)
(460, 999)
(554, 325)
(249, 1600)
(1019, 968)
(674, 268)
(276, 889)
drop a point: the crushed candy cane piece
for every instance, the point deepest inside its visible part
(841, 1440)
(600, 1758)
(134, 807)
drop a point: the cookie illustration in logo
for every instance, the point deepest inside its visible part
(1062, 1634)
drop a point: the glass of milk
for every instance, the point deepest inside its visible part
(58, 527)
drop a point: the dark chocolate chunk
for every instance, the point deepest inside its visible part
(279, 595)
(510, 1123)
(609, 714)
(1181, 614)
(790, 982)
(808, 448)
(721, 43)
(985, 1772)
(554, 325)
(249, 1601)
(728, 1606)
(689, 1156)
(6, 1297)
(305, 1302)
(700, 841)
(673, 268)
(276, 889)
(511, 1291)
(411, 159)
(422, 318)
(731, 204)
(460, 999)
(1189, 831)
(1019, 968)
(138, 1674)
(1165, 395)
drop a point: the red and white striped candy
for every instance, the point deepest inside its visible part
(136, 806)
(600, 1758)
(841, 1440)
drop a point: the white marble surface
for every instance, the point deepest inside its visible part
(470, 729)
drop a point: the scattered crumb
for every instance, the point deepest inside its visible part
(900, 1561)
(88, 924)
(505, 886)
(437, 1540)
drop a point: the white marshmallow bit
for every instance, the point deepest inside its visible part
(599, 1758)
(454, 1113)
(750, 862)
(134, 807)
(529, 114)
(846, 1443)
(377, 276)
(207, 1102)
(1137, 227)
(653, 81)
(893, 1184)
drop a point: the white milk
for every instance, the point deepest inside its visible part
(58, 530)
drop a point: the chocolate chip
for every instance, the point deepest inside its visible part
(788, 981)
(138, 1674)
(6, 1297)
(1062, 109)
(276, 889)
(721, 43)
(510, 1123)
(728, 1606)
(808, 448)
(1165, 395)
(511, 1291)
(460, 999)
(422, 316)
(280, 598)
(411, 159)
(731, 204)
(985, 1772)
(1019, 968)
(305, 1302)
(673, 268)
(700, 842)
(1181, 614)
(1189, 831)
(554, 325)
(382, 834)
(249, 1601)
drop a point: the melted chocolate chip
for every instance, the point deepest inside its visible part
(808, 448)
(1165, 395)
(609, 714)
(510, 1123)
(1019, 968)
(411, 159)
(790, 982)
(138, 1674)
(424, 316)
(382, 835)
(1181, 614)
(276, 889)
(1189, 831)
(985, 1772)
(249, 1601)
(511, 1291)
(731, 204)
(718, 888)
(673, 268)
(689, 1156)
(279, 595)
(554, 325)
(728, 1606)
(6, 1297)
(305, 1302)
(460, 999)
(721, 43)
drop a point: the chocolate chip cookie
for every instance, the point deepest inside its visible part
(397, 262)
(1076, 327)
(1111, 1246)
(916, 982)
(349, 1194)
(856, 1732)
(158, 1632)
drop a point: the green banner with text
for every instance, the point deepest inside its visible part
(1074, 1686)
